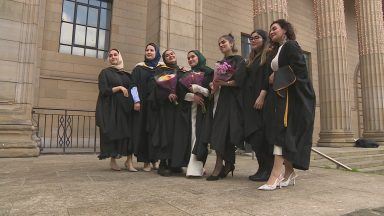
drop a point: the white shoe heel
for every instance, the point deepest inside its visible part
(274, 186)
(292, 178)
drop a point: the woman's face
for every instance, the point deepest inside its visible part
(225, 46)
(277, 34)
(170, 57)
(256, 41)
(150, 52)
(193, 60)
(113, 57)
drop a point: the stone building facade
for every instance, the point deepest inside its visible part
(342, 39)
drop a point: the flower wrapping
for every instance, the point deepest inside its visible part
(223, 71)
(192, 78)
(167, 82)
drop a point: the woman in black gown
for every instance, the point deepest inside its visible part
(291, 116)
(163, 104)
(224, 120)
(143, 75)
(190, 117)
(254, 93)
(117, 95)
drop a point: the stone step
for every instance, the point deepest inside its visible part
(359, 163)
(377, 170)
(344, 152)
(351, 159)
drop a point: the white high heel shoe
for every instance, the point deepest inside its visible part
(274, 186)
(292, 178)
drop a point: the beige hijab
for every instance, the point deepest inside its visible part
(120, 63)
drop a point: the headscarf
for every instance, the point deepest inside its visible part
(153, 63)
(120, 63)
(171, 65)
(201, 60)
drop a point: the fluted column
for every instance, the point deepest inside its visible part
(18, 68)
(267, 11)
(335, 109)
(370, 26)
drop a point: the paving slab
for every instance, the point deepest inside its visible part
(83, 185)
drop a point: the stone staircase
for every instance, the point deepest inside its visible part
(369, 160)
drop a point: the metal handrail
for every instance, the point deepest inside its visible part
(338, 164)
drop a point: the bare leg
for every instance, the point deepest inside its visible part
(129, 164)
(218, 165)
(114, 165)
(276, 170)
(288, 169)
(147, 167)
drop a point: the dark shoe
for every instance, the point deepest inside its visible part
(227, 169)
(255, 176)
(263, 176)
(176, 169)
(164, 171)
(212, 178)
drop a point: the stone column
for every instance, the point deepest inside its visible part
(267, 11)
(335, 109)
(18, 58)
(181, 26)
(371, 50)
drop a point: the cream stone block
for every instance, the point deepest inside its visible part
(182, 15)
(183, 29)
(8, 91)
(11, 10)
(77, 86)
(57, 66)
(188, 5)
(10, 30)
(8, 71)
(9, 50)
(87, 69)
(181, 42)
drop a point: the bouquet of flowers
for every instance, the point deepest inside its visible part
(193, 78)
(167, 82)
(223, 71)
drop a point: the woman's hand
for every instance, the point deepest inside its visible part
(172, 97)
(271, 78)
(137, 106)
(122, 89)
(220, 83)
(198, 99)
(259, 103)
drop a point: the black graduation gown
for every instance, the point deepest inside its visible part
(256, 81)
(296, 137)
(225, 129)
(183, 126)
(144, 79)
(113, 114)
(161, 118)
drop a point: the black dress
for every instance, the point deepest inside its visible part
(294, 135)
(141, 140)
(225, 127)
(161, 118)
(113, 113)
(183, 125)
(256, 81)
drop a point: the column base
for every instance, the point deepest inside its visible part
(18, 141)
(336, 139)
(375, 136)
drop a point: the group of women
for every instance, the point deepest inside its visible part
(268, 101)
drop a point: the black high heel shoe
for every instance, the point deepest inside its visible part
(212, 178)
(227, 169)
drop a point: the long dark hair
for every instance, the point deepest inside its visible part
(289, 32)
(229, 37)
(262, 52)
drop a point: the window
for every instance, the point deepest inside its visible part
(85, 27)
(245, 45)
